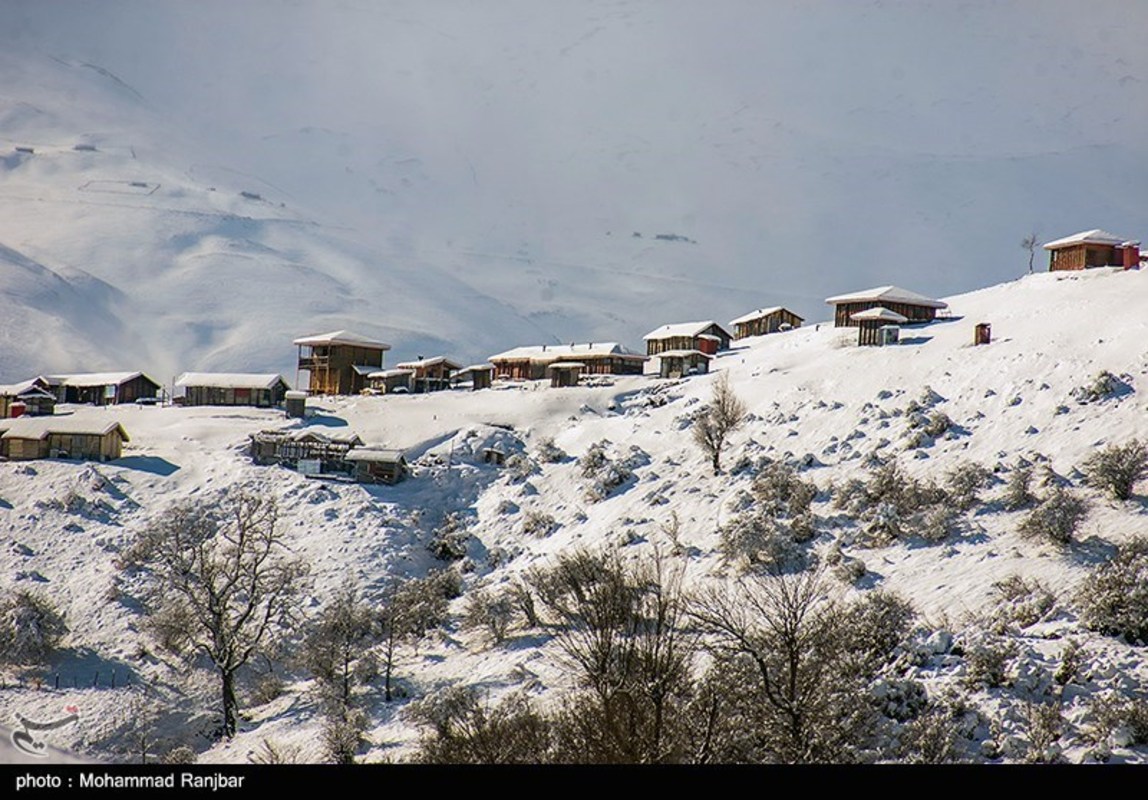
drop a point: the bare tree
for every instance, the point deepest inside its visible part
(409, 610)
(621, 627)
(337, 651)
(221, 585)
(1029, 243)
(777, 643)
(724, 415)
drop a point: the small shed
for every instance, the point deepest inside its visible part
(565, 373)
(873, 325)
(680, 363)
(377, 465)
(764, 321)
(983, 333)
(480, 376)
(494, 455)
(295, 403)
(61, 437)
(391, 381)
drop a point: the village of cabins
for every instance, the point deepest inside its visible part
(346, 363)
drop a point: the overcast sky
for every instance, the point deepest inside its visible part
(814, 146)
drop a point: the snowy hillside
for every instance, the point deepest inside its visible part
(814, 399)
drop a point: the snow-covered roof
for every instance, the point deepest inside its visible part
(41, 427)
(295, 394)
(96, 378)
(1094, 236)
(888, 294)
(24, 387)
(307, 434)
(475, 368)
(391, 373)
(364, 369)
(880, 314)
(677, 329)
(424, 363)
(34, 392)
(230, 380)
(377, 454)
(553, 352)
(682, 354)
(567, 365)
(759, 313)
(342, 337)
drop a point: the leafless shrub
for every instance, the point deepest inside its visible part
(1113, 598)
(1056, 518)
(1118, 468)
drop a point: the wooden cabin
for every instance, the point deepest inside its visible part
(377, 465)
(32, 398)
(232, 389)
(479, 376)
(61, 437)
(391, 381)
(708, 337)
(681, 363)
(291, 447)
(597, 358)
(103, 388)
(910, 305)
(565, 373)
(877, 327)
(339, 362)
(430, 374)
(1094, 248)
(765, 320)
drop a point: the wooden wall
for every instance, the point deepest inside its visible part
(843, 311)
(219, 396)
(1083, 256)
(330, 367)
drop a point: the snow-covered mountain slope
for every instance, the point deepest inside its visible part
(472, 179)
(813, 397)
(119, 249)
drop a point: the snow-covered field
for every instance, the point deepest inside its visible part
(813, 398)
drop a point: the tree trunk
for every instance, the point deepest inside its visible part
(387, 663)
(230, 703)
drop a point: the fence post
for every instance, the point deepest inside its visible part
(57, 680)
(95, 680)
(113, 679)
